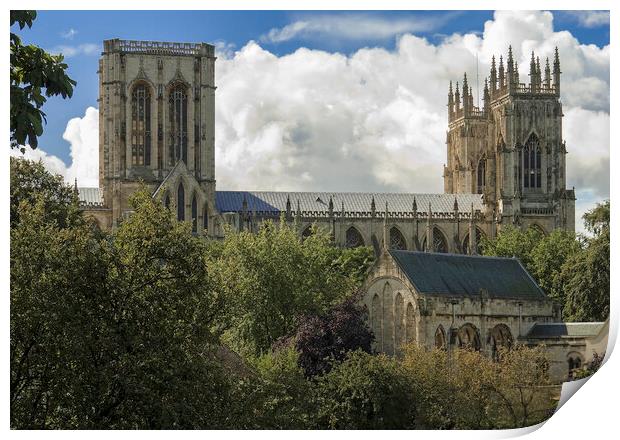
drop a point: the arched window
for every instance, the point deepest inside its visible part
(574, 363)
(306, 232)
(397, 241)
(531, 157)
(499, 336)
(481, 175)
(353, 238)
(141, 125)
(194, 214)
(181, 203)
(466, 247)
(167, 200)
(205, 219)
(440, 338)
(388, 320)
(440, 244)
(468, 337)
(410, 324)
(399, 332)
(178, 123)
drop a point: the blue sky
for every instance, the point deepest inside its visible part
(57, 29)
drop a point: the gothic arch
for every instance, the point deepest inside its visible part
(167, 199)
(194, 212)
(399, 321)
(353, 238)
(440, 338)
(468, 336)
(575, 362)
(440, 243)
(141, 100)
(479, 236)
(499, 336)
(180, 201)
(307, 232)
(178, 106)
(538, 228)
(388, 319)
(481, 175)
(530, 162)
(397, 239)
(410, 323)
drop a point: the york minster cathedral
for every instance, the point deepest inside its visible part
(505, 166)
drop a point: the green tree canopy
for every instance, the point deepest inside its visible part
(31, 181)
(272, 279)
(113, 331)
(35, 76)
(366, 392)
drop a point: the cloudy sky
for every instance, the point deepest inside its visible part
(338, 101)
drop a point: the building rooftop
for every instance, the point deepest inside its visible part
(272, 203)
(453, 275)
(90, 197)
(565, 329)
(355, 204)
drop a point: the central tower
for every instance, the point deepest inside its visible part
(156, 114)
(511, 150)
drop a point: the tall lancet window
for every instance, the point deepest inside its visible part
(178, 123)
(481, 176)
(141, 125)
(532, 163)
(181, 203)
(194, 214)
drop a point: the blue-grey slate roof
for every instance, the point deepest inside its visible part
(464, 275)
(565, 329)
(354, 202)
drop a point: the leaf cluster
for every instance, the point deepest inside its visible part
(35, 76)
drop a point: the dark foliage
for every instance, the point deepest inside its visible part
(322, 340)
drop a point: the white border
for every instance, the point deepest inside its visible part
(591, 412)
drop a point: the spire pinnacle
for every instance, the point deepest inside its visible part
(456, 204)
(465, 87)
(510, 61)
(415, 205)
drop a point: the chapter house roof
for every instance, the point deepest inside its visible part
(455, 275)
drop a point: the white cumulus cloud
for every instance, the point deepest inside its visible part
(83, 137)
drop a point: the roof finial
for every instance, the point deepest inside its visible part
(385, 227)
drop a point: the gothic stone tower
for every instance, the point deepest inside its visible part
(156, 115)
(511, 151)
